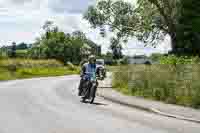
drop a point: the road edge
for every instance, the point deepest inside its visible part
(152, 110)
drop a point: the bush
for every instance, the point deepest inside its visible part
(172, 59)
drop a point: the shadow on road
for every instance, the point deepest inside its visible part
(96, 103)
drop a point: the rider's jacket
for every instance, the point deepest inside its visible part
(88, 70)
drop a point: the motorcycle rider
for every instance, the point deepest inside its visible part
(88, 67)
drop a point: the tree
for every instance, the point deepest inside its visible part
(119, 16)
(189, 29)
(2, 52)
(61, 46)
(49, 27)
(13, 50)
(98, 50)
(149, 20)
(116, 49)
(109, 58)
(79, 35)
(22, 46)
(94, 48)
(163, 16)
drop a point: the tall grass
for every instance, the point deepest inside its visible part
(176, 84)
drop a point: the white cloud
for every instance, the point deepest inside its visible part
(73, 6)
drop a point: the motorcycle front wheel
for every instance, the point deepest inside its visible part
(83, 99)
(93, 94)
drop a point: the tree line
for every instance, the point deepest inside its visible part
(55, 44)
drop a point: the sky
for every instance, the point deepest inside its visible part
(22, 20)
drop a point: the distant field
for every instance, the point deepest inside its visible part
(112, 68)
(21, 68)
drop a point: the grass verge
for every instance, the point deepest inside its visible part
(174, 84)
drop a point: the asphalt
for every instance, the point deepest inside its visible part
(51, 105)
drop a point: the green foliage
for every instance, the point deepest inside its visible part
(172, 59)
(116, 49)
(22, 46)
(55, 44)
(109, 58)
(148, 21)
(172, 84)
(120, 18)
(118, 15)
(156, 57)
(12, 52)
(189, 29)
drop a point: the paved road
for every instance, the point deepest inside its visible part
(50, 105)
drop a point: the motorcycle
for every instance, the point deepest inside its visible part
(89, 88)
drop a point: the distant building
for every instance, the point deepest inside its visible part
(140, 59)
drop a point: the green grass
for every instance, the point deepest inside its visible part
(112, 68)
(22, 73)
(29, 63)
(5, 74)
(25, 68)
(43, 72)
(172, 84)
